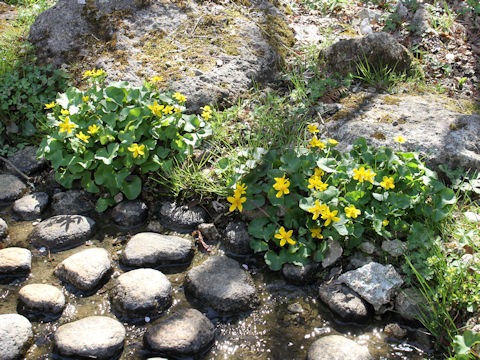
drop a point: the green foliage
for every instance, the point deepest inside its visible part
(463, 181)
(109, 135)
(441, 18)
(462, 344)
(326, 6)
(382, 76)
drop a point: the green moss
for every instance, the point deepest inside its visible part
(462, 106)
(391, 100)
(278, 34)
(351, 104)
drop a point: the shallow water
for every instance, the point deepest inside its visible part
(271, 332)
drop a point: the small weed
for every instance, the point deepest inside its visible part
(441, 19)
(382, 77)
(327, 6)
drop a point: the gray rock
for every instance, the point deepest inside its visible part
(11, 187)
(367, 247)
(26, 161)
(72, 202)
(472, 217)
(221, 283)
(336, 347)
(394, 247)
(15, 260)
(209, 231)
(419, 23)
(334, 253)
(183, 219)
(62, 231)
(151, 249)
(357, 260)
(374, 282)
(85, 269)
(3, 229)
(408, 304)
(344, 302)
(395, 330)
(15, 336)
(141, 292)
(300, 275)
(187, 332)
(41, 298)
(237, 238)
(378, 49)
(401, 10)
(97, 337)
(31, 206)
(130, 213)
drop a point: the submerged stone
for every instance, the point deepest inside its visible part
(15, 336)
(336, 347)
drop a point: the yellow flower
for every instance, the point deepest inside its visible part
(313, 129)
(369, 175)
(319, 172)
(207, 112)
(329, 216)
(385, 222)
(359, 174)
(317, 143)
(93, 129)
(156, 109)
(399, 139)
(387, 183)
(352, 212)
(93, 73)
(281, 186)
(332, 141)
(85, 98)
(317, 183)
(316, 233)
(285, 236)
(179, 97)
(240, 189)
(168, 109)
(317, 210)
(82, 137)
(66, 126)
(156, 78)
(51, 105)
(65, 112)
(176, 110)
(237, 200)
(137, 150)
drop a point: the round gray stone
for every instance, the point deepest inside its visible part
(85, 269)
(15, 336)
(300, 275)
(41, 298)
(15, 260)
(11, 187)
(336, 347)
(31, 206)
(150, 249)
(237, 238)
(97, 337)
(72, 202)
(26, 161)
(187, 332)
(3, 229)
(130, 213)
(221, 283)
(344, 302)
(142, 292)
(62, 231)
(183, 219)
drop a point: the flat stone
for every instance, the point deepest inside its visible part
(472, 217)
(11, 187)
(336, 347)
(142, 292)
(222, 284)
(394, 247)
(334, 253)
(300, 275)
(183, 219)
(15, 260)
(374, 282)
(41, 298)
(72, 202)
(151, 249)
(97, 337)
(187, 332)
(344, 302)
(408, 304)
(26, 161)
(31, 206)
(85, 269)
(130, 213)
(62, 232)
(3, 229)
(15, 336)
(237, 238)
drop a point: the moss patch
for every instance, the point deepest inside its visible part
(351, 104)
(391, 100)
(278, 34)
(462, 106)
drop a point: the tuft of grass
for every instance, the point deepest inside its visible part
(441, 18)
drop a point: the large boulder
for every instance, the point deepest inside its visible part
(336, 347)
(15, 336)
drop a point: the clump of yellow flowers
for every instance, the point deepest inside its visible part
(237, 200)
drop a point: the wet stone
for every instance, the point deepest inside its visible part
(62, 231)
(3, 229)
(237, 238)
(41, 298)
(336, 347)
(344, 302)
(15, 336)
(151, 249)
(142, 292)
(31, 206)
(221, 283)
(185, 333)
(183, 219)
(85, 269)
(408, 303)
(130, 213)
(97, 337)
(11, 187)
(209, 231)
(26, 161)
(72, 202)
(15, 261)
(300, 275)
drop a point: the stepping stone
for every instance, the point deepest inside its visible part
(237, 238)
(150, 249)
(300, 275)
(62, 232)
(185, 333)
(15, 336)
(72, 202)
(3, 229)
(15, 261)
(26, 161)
(142, 292)
(31, 206)
(221, 283)
(85, 269)
(41, 298)
(344, 302)
(336, 347)
(11, 187)
(183, 219)
(130, 213)
(97, 337)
